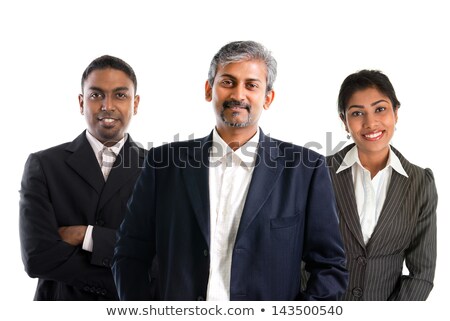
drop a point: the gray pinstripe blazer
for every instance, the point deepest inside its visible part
(406, 231)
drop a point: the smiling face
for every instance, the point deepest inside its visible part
(239, 95)
(108, 103)
(370, 119)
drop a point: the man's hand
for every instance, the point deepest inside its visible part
(74, 235)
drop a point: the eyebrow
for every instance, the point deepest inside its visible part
(114, 90)
(234, 78)
(372, 104)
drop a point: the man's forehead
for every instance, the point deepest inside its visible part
(251, 66)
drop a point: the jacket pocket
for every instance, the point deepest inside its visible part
(284, 222)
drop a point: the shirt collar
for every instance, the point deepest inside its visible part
(246, 154)
(97, 146)
(352, 157)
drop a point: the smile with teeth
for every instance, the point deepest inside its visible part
(108, 120)
(373, 135)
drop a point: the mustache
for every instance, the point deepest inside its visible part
(235, 103)
(107, 114)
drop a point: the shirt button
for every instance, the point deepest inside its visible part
(205, 252)
(357, 292)
(362, 260)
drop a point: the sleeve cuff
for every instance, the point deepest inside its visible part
(88, 242)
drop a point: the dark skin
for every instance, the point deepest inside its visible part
(74, 235)
(107, 93)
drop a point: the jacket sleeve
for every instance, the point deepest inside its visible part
(323, 253)
(135, 247)
(104, 240)
(44, 253)
(420, 257)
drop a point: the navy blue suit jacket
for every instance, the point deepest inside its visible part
(289, 216)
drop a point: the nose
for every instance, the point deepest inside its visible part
(370, 121)
(108, 103)
(238, 93)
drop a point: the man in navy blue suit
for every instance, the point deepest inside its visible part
(232, 216)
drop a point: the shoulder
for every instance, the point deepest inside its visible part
(416, 173)
(292, 154)
(336, 159)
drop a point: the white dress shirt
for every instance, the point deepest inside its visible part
(97, 147)
(370, 192)
(230, 173)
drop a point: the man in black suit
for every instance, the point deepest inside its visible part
(232, 215)
(73, 196)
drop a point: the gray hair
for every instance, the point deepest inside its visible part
(241, 51)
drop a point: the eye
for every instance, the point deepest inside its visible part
(357, 113)
(252, 86)
(227, 83)
(380, 109)
(121, 95)
(95, 96)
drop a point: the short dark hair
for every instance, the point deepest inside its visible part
(105, 62)
(361, 80)
(241, 51)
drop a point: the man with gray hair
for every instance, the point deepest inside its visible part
(231, 216)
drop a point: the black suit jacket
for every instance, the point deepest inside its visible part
(405, 232)
(64, 186)
(289, 215)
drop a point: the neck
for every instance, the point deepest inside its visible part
(236, 137)
(374, 161)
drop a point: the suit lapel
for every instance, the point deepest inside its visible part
(345, 194)
(196, 178)
(83, 161)
(397, 190)
(347, 204)
(268, 168)
(126, 166)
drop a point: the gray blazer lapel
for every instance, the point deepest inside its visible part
(196, 178)
(268, 168)
(83, 161)
(348, 209)
(396, 193)
(345, 195)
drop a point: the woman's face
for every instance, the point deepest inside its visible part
(370, 119)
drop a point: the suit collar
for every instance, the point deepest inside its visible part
(127, 165)
(344, 190)
(397, 190)
(195, 157)
(268, 167)
(83, 161)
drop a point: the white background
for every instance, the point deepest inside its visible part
(46, 45)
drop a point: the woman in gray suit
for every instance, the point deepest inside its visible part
(387, 205)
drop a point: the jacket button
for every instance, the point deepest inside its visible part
(205, 252)
(86, 288)
(106, 262)
(357, 292)
(103, 292)
(200, 298)
(362, 260)
(100, 222)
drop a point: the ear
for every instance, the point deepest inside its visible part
(342, 117)
(208, 92)
(137, 99)
(270, 96)
(81, 103)
(396, 114)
